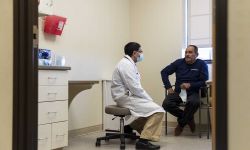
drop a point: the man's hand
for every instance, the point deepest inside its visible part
(170, 91)
(185, 85)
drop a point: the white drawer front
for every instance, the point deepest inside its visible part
(44, 137)
(49, 112)
(53, 77)
(51, 93)
(59, 134)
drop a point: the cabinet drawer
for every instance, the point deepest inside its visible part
(49, 112)
(51, 93)
(59, 134)
(44, 137)
(53, 77)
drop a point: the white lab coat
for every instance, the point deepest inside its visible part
(127, 91)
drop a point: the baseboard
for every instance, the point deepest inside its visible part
(86, 130)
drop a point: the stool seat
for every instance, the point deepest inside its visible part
(117, 134)
(117, 111)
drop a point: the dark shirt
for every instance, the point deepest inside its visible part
(196, 74)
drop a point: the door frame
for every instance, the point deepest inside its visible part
(25, 80)
(25, 75)
(221, 76)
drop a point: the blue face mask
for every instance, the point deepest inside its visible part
(140, 58)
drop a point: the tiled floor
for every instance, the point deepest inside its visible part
(187, 141)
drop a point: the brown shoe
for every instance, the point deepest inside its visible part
(178, 130)
(191, 125)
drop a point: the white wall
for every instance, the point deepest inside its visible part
(6, 77)
(238, 75)
(158, 26)
(92, 42)
(93, 36)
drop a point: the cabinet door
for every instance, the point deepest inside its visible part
(44, 137)
(49, 112)
(52, 93)
(45, 7)
(48, 77)
(59, 134)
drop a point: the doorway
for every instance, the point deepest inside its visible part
(25, 75)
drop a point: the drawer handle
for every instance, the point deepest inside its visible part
(52, 93)
(52, 78)
(52, 112)
(60, 135)
(42, 139)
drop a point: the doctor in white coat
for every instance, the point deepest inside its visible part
(127, 92)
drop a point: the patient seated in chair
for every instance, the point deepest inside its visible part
(191, 74)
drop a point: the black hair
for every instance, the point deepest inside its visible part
(195, 48)
(131, 47)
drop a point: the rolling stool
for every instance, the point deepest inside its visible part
(117, 112)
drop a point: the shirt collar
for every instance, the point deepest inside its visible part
(130, 59)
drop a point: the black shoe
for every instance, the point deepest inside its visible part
(191, 125)
(128, 129)
(146, 145)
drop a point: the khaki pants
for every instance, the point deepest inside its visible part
(149, 127)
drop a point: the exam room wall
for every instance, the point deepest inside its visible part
(238, 74)
(6, 77)
(92, 42)
(158, 26)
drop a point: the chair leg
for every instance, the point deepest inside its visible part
(108, 130)
(166, 123)
(132, 136)
(109, 137)
(208, 122)
(200, 122)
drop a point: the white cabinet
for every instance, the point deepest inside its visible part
(50, 112)
(45, 7)
(51, 93)
(53, 77)
(59, 134)
(52, 109)
(44, 137)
